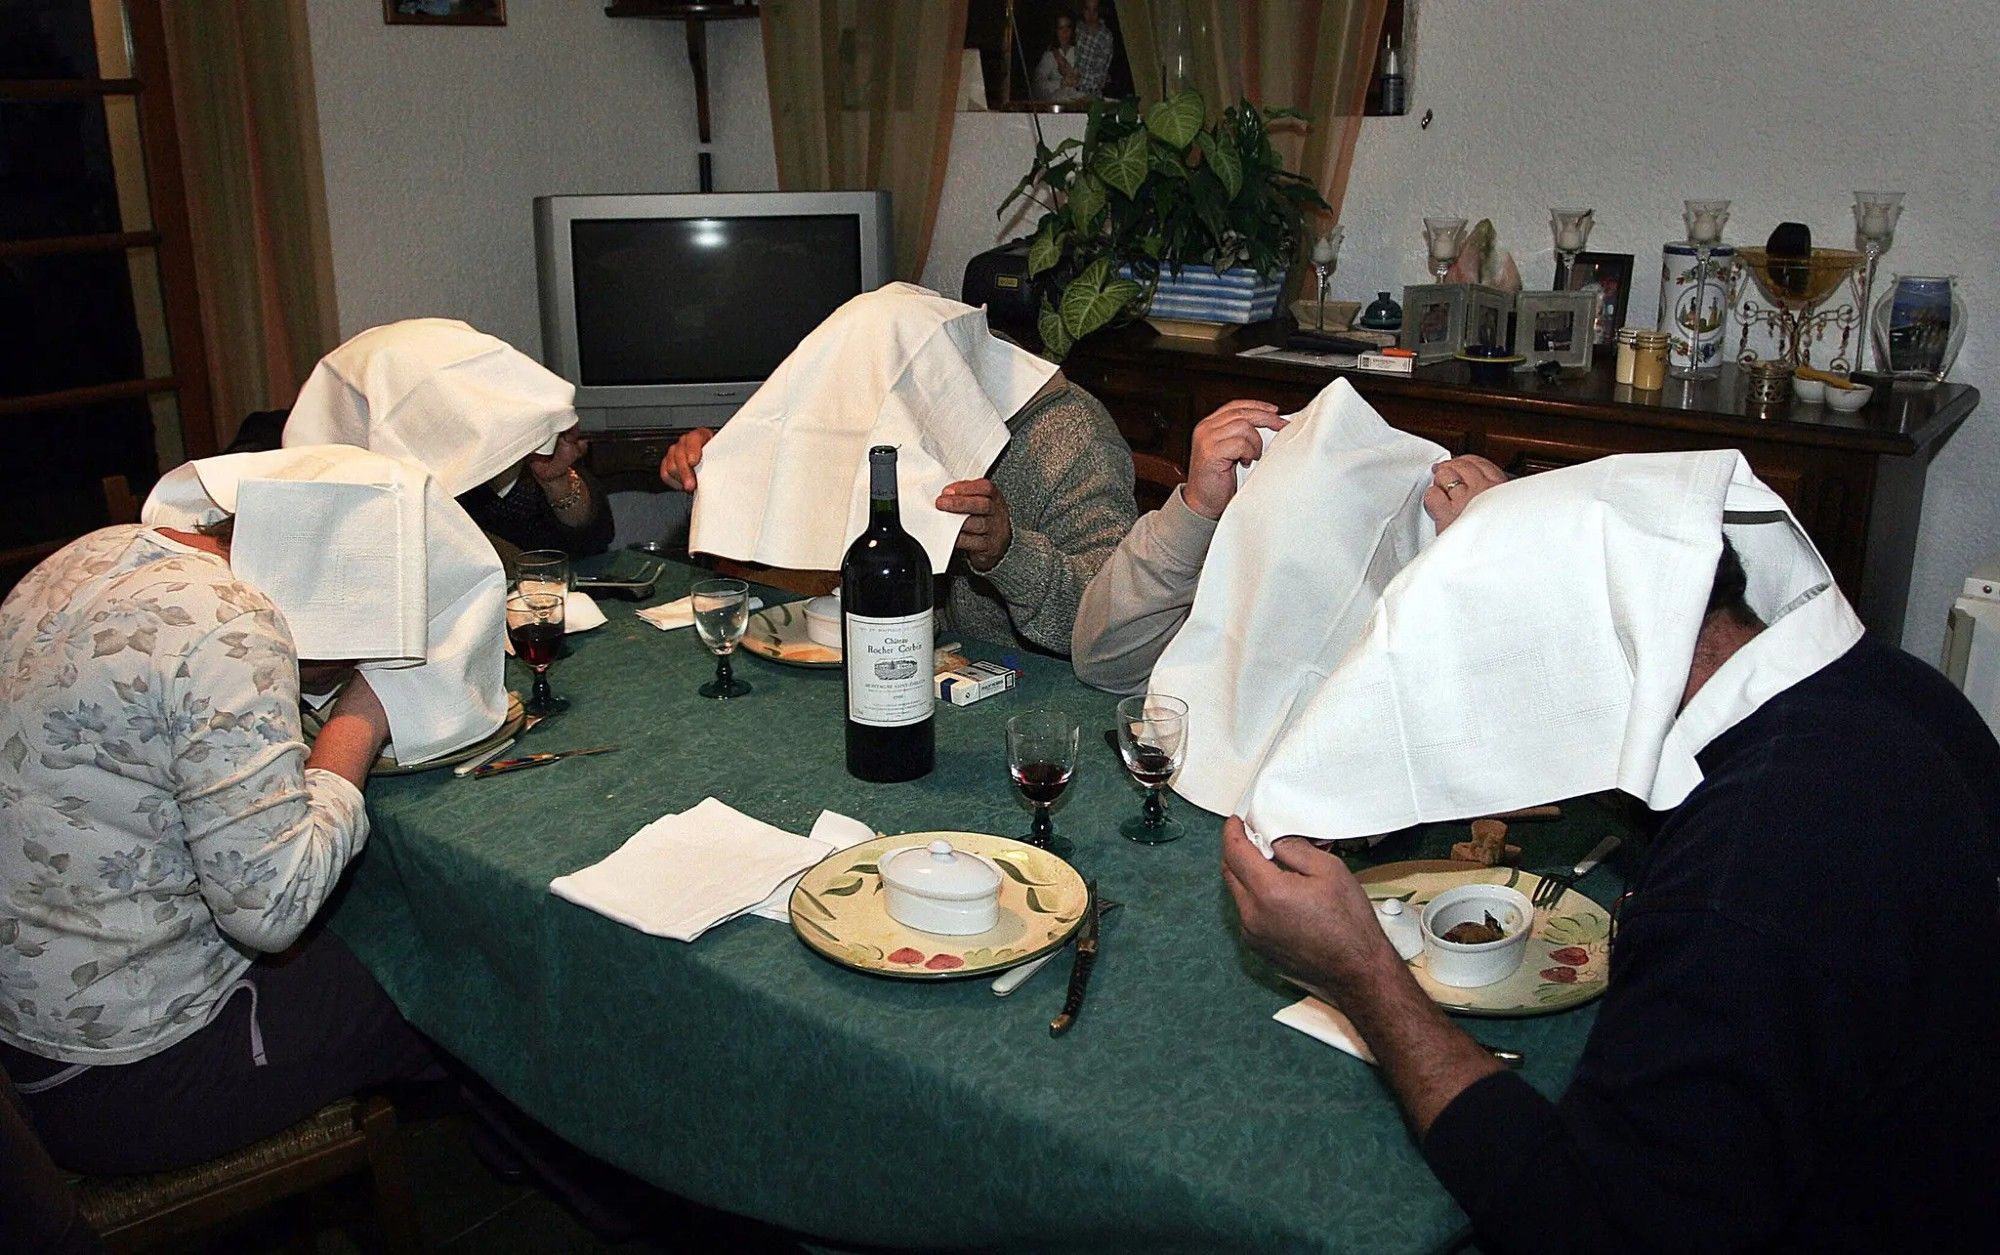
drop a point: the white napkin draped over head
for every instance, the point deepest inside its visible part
(1333, 510)
(1540, 647)
(785, 482)
(460, 403)
(369, 559)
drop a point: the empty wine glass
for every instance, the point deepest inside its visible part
(1152, 737)
(542, 571)
(1444, 237)
(1571, 229)
(721, 612)
(1041, 756)
(535, 626)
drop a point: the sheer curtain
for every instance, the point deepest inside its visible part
(249, 135)
(861, 97)
(1309, 55)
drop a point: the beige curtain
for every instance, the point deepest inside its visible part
(861, 98)
(1309, 55)
(249, 136)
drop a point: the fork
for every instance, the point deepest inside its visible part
(1552, 888)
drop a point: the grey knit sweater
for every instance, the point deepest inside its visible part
(1067, 478)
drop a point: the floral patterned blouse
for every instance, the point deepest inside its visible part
(158, 825)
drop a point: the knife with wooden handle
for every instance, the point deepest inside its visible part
(1079, 972)
(505, 765)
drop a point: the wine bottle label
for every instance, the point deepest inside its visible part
(889, 665)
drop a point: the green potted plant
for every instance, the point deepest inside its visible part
(1151, 200)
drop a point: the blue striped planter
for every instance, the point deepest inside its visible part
(1198, 294)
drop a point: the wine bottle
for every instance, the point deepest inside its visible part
(886, 640)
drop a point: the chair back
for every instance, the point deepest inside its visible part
(1154, 479)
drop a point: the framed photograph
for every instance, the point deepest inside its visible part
(1049, 56)
(1555, 327)
(1610, 274)
(1434, 320)
(444, 12)
(1486, 311)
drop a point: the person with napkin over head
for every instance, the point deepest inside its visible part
(1796, 1048)
(167, 828)
(1014, 479)
(495, 427)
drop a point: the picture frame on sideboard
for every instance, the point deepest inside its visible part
(1486, 311)
(1555, 327)
(1433, 320)
(1611, 275)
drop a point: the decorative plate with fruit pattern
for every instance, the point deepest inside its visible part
(838, 910)
(1569, 948)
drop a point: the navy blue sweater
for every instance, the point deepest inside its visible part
(1800, 1046)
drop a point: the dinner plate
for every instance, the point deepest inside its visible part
(779, 633)
(1569, 949)
(839, 910)
(386, 765)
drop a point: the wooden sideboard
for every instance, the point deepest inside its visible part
(1856, 481)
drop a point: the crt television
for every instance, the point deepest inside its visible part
(669, 310)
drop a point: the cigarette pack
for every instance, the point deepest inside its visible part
(1385, 364)
(973, 682)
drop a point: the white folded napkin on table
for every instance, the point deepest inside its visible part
(669, 615)
(834, 831)
(683, 874)
(1325, 1022)
(368, 559)
(1321, 524)
(460, 403)
(580, 614)
(1540, 647)
(785, 482)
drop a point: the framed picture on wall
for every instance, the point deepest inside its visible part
(1555, 327)
(1433, 320)
(444, 12)
(1049, 56)
(1610, 274)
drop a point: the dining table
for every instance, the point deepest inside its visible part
(748, 1073)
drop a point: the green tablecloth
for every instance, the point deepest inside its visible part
(747, 1073)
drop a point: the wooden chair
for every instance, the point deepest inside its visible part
(1154, 479)
(137, 1213)
(809, 583)
(120, 506)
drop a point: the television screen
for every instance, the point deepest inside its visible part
(705, 300)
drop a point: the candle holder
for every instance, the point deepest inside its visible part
(1571, 228)
(1875, 215)
(1705, 220)
(1443, 237)
(1795, 295)
(1325, 255)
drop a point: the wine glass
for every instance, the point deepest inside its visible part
(1152, 737)
(1571, 229)
(1444, 237)
(542, 571)
(535, 626)
(721, 612)
(1041, 756)
(1325, 253)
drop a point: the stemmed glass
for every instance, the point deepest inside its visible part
(1444, 237)
(535, 626)
(542, 571)
(1041, 756)
(1705, 220)
(1875, 215)
(721, 612)
(1152, 737)
(1571, 228)
(1325, 252)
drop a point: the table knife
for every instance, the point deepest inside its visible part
(471, 765)
(535, 760)
(1015, 977)
(1597, 855)
(1079, 972)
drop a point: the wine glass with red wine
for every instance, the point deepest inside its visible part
(535, 626)
(1041, 756)
(1152, 737)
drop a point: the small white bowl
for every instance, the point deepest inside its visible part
(937, 889)
(823, 620)
(1811, 391)
(1848, 400)
(1470, 966)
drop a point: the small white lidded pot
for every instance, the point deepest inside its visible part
(823, 620)
(1399, 924)
(1486, 963)
(936, 889)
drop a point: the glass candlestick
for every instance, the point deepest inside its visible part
(1875, 215)
(1443, 237)
(1571, 228)
(1705, 220)
(1325, 253)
